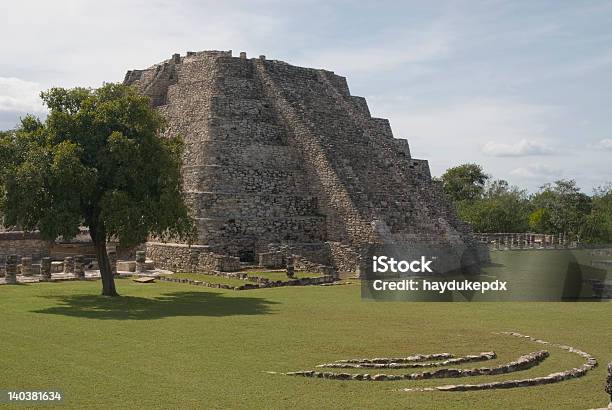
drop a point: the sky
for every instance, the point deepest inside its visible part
(522, 88)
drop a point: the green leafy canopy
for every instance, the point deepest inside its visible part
(559, 208)
(464, 182)
(501, 208)
(97, 160)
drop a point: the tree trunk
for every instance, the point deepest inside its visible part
(108, 281)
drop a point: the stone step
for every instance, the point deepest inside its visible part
(249, 108)
(233, 179)
(249, 154)
(213, 231)
(250, 205)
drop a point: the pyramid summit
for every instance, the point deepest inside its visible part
(282, 160)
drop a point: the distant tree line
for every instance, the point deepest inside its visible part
(559, 208)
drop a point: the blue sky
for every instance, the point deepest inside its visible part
(521, 87)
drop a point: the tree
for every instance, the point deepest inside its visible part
(5, 151)
(97, 160)
(564, 208)
(501, 209)
(539, 221)
(464, 182)
(598, 226)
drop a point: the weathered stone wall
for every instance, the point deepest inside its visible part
(272, 259)
(195, 258)
(344, 258)
(243, 182)
(278, 154)
(510, 240)
(23, 243)
(31, 244)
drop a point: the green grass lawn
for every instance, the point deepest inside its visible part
(170, 345)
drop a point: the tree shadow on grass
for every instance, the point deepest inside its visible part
(165, 305)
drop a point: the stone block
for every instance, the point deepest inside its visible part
(272, 260)
(79, 266)
(45, 268)
(26, 266)
(68, 264)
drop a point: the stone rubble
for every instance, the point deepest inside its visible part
(26, 266)
(45, 268)
(522, 363)
(556, 377)
(68, 264)
(404, 363)
(413, 358)
(141, 258)
(79, 267)
(11, 269)
(254, 285)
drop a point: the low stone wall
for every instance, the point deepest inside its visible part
(503, 241)
(62, 250)
(327, 278)
(410, 362)
(247, 286)
(522, 363)
(195, 258)
(575, 372)
(173, 257)
(313, 257)
(23, 243)
(213, 262)
(272, 260)
(31, 244)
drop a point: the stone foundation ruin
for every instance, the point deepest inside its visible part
(525, 362)
(283, 162)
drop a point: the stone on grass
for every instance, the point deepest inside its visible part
(144, 279)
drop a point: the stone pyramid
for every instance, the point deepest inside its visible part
(282, 160)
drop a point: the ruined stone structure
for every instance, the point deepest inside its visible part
(524, 362)
(283, 159)
(504, 241)
(26, 243)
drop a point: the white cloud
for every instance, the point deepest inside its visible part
(605, 143)
(579, 67)
(84, 43)
(451, 134)
(18, 95)
(536, 171)
(471, 121)
(522, 148)
(398, 48)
